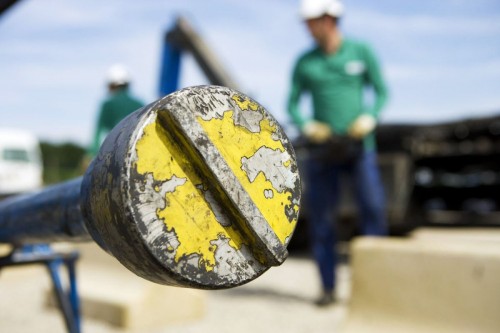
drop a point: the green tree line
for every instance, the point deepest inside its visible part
(61, 161)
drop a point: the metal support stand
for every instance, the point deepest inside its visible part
(68, 299)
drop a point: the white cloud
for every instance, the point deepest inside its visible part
(56, 52)
(478, 71)
(423, 25)
(54, 15)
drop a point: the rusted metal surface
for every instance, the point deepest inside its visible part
(199, 189)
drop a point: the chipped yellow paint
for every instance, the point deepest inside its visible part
(186, 212)
(245, 103)
(235, 142)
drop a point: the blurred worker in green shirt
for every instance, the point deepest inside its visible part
(117, 105)
(336, 73)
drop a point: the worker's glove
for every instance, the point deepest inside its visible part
(316, 131)
(363, 125)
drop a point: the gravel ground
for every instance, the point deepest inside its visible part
(279, 301)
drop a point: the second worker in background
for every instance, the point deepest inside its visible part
(119, 104)
(335, 73)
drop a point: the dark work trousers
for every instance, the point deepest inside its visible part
(323, 187)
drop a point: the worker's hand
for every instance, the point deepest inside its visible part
(363, 125)
(316, 131)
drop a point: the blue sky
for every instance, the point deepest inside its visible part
(441, 59)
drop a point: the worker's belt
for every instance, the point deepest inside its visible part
(337, 149)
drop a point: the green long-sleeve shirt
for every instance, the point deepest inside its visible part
(119, 105)
(337, 83)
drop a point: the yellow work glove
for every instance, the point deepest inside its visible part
(316, 131)
(363, 125)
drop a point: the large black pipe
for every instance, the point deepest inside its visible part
(123, 200)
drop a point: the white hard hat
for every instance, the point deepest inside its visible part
(311, 9)
(118, 74)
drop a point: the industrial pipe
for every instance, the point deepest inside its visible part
(199, 189)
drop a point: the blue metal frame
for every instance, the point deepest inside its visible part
(170, 69)
(67, 298)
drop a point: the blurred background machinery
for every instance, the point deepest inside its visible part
(20, 162)
(442, 174)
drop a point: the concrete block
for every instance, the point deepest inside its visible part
(5, 249)
(425, 284)
(111, 293)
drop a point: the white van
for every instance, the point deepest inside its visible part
(20, 162)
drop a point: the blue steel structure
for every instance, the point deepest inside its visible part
(182, 38)
(66, 297)
(22, 225)
(170, 69)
